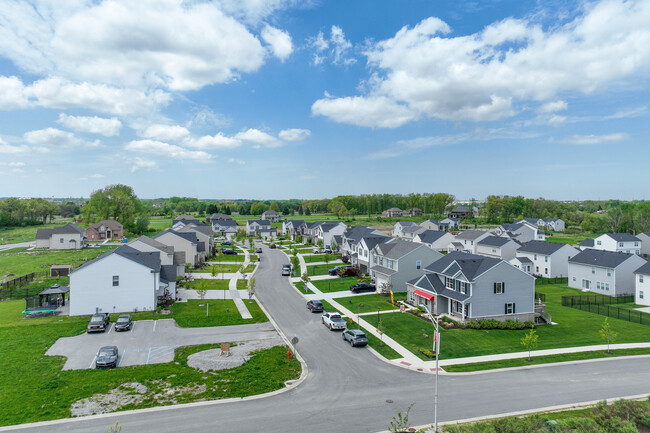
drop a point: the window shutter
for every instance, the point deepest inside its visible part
(513, 308)
(495, 287)
(503, 287)
(505, 311)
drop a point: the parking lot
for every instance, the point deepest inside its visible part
(152, 341)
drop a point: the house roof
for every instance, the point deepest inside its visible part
(67, 229)
(622, 237)
(327, 226)
(523, 260)
(512, 227)
(413, 229)
(219, 217)
(372, 241)
(202, 228)
(457, 244)
(111, 224)
(471, 265)
(470, 235)
(149, 259)
(394, 209)
(495, 241)
(184, 217)
(430, 236)
(541, 247)
(55, 290)
(188, 236)
(397, 248)
(451, 219)
(259, 222)
(270, 212)
(605, 259)
(460, 209)
(645, 269)
(225, 223)
(357, 232)
(406, 223)
(154, 243)
(383, 270)
(587, 243)
(432, 283)
(168, 273)
(294, 223)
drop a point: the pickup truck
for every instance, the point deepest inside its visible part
(333, 321)
(98, 322)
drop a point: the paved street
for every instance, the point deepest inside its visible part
(351, 390)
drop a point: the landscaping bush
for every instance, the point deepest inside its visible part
(497, 324)
(428, 353)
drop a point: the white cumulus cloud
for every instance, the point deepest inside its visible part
(166, 132)
(585, 140)
(138, 163)
(257, 136)
(279, 41)
(217, 141)
(335, 48)
(294, 134)
(52, 137)
(93, 124)
(160, 148)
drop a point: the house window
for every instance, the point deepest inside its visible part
(599, 242)
(449, 282)
(606, 286)
(636, 244)
(593, 270)
(510, 308)
(381, 261)
(585, 284)
(620, 244)
(61, 240)
(574, 278)
(640, 294)
(640, 278)
(418, 265)
(545, 259)
(598, 285)
(535, 257)
(499, 287)
(546, 271)
(116, 280)
(389, 264)
(609, 272)
(537, 269)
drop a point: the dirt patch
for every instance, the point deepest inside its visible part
(213, 360)
(127, 393)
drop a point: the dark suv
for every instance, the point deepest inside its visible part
(342, 270)
(107, 357)
(123, 323)
(315, 306)
(99, 322)
(362, 287)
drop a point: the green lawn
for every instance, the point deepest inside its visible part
(220, 268)
(24, 262)
(574, 328)
(301, 286)
(321, 258)
(15, 235)
(34, 288)
(157, 224)
(313, 270)
(536, 360)
(370, 303)
(221, 313)
(250, 268)
(571, 239)
(204, 283)
(335, 284)
(228, 258)
(384, 350)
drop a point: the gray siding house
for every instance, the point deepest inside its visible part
(548, 259)
(469, 286)
(396, 262)
(497, 247)
(605, 272)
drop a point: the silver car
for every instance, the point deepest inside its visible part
(355, 337)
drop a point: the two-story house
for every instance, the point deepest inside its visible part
(105, 229)
(434, 239)
(412, 212)
(326, 231)
(498, 247)
(224, 228)
(217, 217)
(642, 285)
(186, 242)
(449, 223)
(431, 225)
(645, 243)
(621, 242)
(362, 257)
(352, 235)
(547, 259)
(470, 286)
(271, 215)
(393, 212)
(203, 234)
(522, 232)
(67, 237)
(555, 224)
(184, 220)
(123, 280)
(396, 262)
(408, 233)
(470, 238)
(605, 272)
(167, 254)
(260, 228)
(398, 228)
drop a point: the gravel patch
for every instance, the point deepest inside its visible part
(213, 360)
(127, 393)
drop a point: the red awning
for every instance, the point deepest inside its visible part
(424, 295)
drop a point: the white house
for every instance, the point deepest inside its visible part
(398, 228)
(622, 242)
(547, 259)
(409, 232)
(450, 223)
(362, 256)
(470, 238)
(497, 247)
(167, 254)
(352, 235)
(523, 263)
(260, 228)
(396, 262)
(436, 240)
(522, 232)
(604, 272)
(225, 228)
(67, 237)
(431, 225)
(123, 280)
(392, 213)
(645, 243)
(642, 285)
(326, 231)
(555, 224)
(271, 216)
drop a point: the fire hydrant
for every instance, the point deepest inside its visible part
(289, 354)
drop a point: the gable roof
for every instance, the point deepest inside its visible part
(184, 218)
(541, 247)
(357, 232)
(189, 236)
(413, 229)
(202, 228)
(430, 236)
(259, 222)
(372, 241)
(406, 223)
(397, 248)
(111, 224)
(587, 243)
(149, 259)
(68, 229)
(495, 241)
(471, 265)
(225, 223)
(219, 217)
(645, 269)
(470, 235)
(458, 209)
(523, 260)
(153, 243)
(602, 258)
(513, 227)
(622, 237)
(270, 212)
(433, 284)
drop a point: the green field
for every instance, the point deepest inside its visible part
(301, 286)
(24, 262)
(313, 270)
(336, 284)
(574, 328)
(571, 239)
(15, 235)
(370, 303)
(321, 258)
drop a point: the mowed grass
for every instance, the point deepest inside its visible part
(336, 284)
(382, 348)
(370, 303)
(321, 258)
(218, 268)
(313, 270)
(572, 239)
(574, 328)
(15, 235)
(301, 286)
(34, 388)
(24, 262)
(204, 283)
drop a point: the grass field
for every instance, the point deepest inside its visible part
(370, 303)
(24, 262)
(220, 268)
(384, 350)
(33, 288)
(34, 388)
(571, 239)
(313, 270)
(574, 328)
(321, 258)
(335, 284)
(204, 283)
(301, 286)
(14, 235)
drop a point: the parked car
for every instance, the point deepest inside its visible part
(272, 246)
(98, 322)
(342, 270)
(363, 287)
(286, 271)
(228, 252)
(333, 321)
(107, 357)
(123, 323)
(355, 337)
(315, 306)
(226, 244)
(258, 251)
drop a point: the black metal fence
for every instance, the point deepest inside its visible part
(539, 296)
(11, 288)
(603, 305)
(562, 280)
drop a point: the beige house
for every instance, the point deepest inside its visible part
(68, 237)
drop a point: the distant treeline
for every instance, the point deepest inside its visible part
(33, 211)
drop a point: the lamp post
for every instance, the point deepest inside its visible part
(436, 348)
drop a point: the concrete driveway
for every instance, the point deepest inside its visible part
(153, 341)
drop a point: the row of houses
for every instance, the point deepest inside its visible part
(73, 237)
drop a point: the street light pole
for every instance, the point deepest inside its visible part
(436, 348)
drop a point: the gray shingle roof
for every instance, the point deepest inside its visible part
(179, 258)
(605, 259)
(432, 283)
(111, 224)
(154, 243)
(471, 265)
(494, 241)
(623, 237)
(148, 259)
(645, 269)
(383, 270)
(413, 229)
(587, 243)
(260, 222)
(470, 235)
(202, 228)
(372, 241)
(219, 217)
(430, 236)
(187, 236)
(225, 223)
(406, 223)
(168, 273)
(357, 232)
(69, 228)
(541, 247)
(397, 248)
(523, 260)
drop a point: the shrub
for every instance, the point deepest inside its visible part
(426, 352)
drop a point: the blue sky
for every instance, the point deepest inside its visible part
(312, 99)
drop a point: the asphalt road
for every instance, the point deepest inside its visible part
(350, 390)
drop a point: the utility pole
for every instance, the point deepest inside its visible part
(436, 348)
